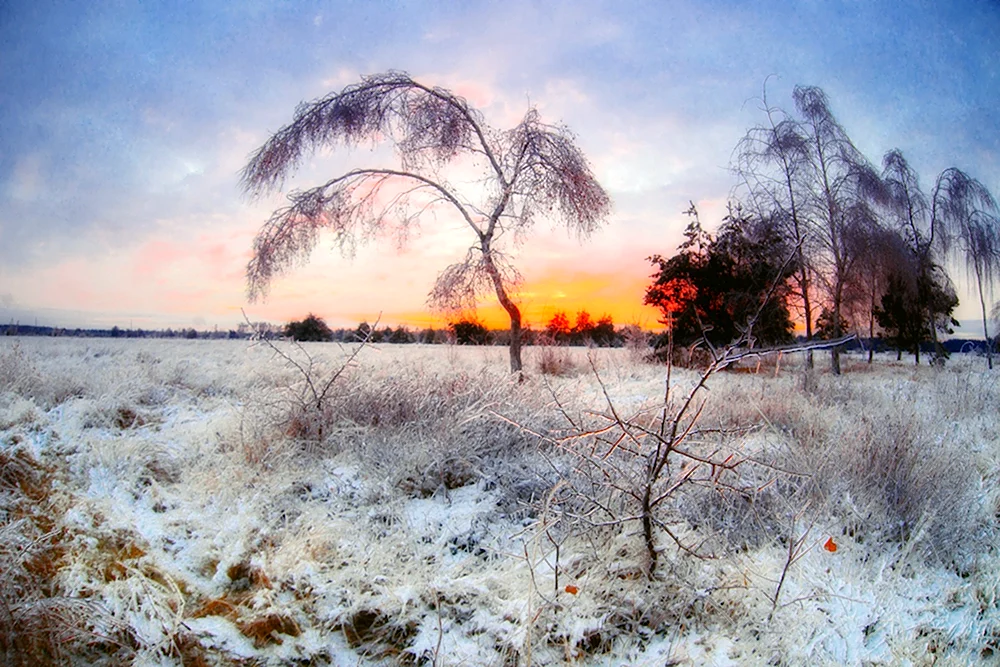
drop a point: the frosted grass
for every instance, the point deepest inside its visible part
(416, 531)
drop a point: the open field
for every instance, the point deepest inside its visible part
(206, 503)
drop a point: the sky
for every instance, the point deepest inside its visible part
(124, 125)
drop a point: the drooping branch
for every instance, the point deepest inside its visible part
(552, 175)
(427, 126)
(460, 286)
(348, 206)
(957, 198)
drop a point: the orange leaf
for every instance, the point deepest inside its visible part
(830, 545)
(571, 589)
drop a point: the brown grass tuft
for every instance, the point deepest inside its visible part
(265, 630)
(217, 607)
(126, 418)
(377, 634)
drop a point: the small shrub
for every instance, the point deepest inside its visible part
(556, 360)
(469, 332)
(18, 374)
(636, 341)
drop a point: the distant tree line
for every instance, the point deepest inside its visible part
(462, 332)
(468, 330)
(818, 234)
(584, 330)
(17, 329)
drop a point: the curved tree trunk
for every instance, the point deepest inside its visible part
(512, 310)
(515, 338)
(986, 331)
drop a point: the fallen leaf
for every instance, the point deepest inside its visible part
(830, 545)
(571, 589)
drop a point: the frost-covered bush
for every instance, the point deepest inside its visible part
(421, 429)
(18, 373)
(555, 360)
(876, 455)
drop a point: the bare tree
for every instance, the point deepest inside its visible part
(771, 160)
(919, 225)
(882, 253)
(842, 191)
(806, 172)
(531, 170)
(972, 230)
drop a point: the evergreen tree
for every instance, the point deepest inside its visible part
(825, 327)
(713, 286)
(915, 308)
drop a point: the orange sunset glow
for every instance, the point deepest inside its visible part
(617, 295)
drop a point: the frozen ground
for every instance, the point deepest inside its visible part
(169, 502)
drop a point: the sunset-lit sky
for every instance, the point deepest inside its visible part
(123, 126)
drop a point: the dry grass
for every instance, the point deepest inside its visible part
(556, 360)
(171, 503)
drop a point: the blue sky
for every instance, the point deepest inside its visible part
(123, 126)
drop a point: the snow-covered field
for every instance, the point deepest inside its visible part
(216, 503)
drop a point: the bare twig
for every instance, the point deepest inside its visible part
(316, 387)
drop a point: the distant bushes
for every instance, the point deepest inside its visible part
(470, 332)
(466, 330)
(312, 329)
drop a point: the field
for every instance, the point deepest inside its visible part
(228, 503)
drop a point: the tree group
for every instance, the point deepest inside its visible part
(583, 330)
(821, 232)
(714, 288)
(818, 233)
